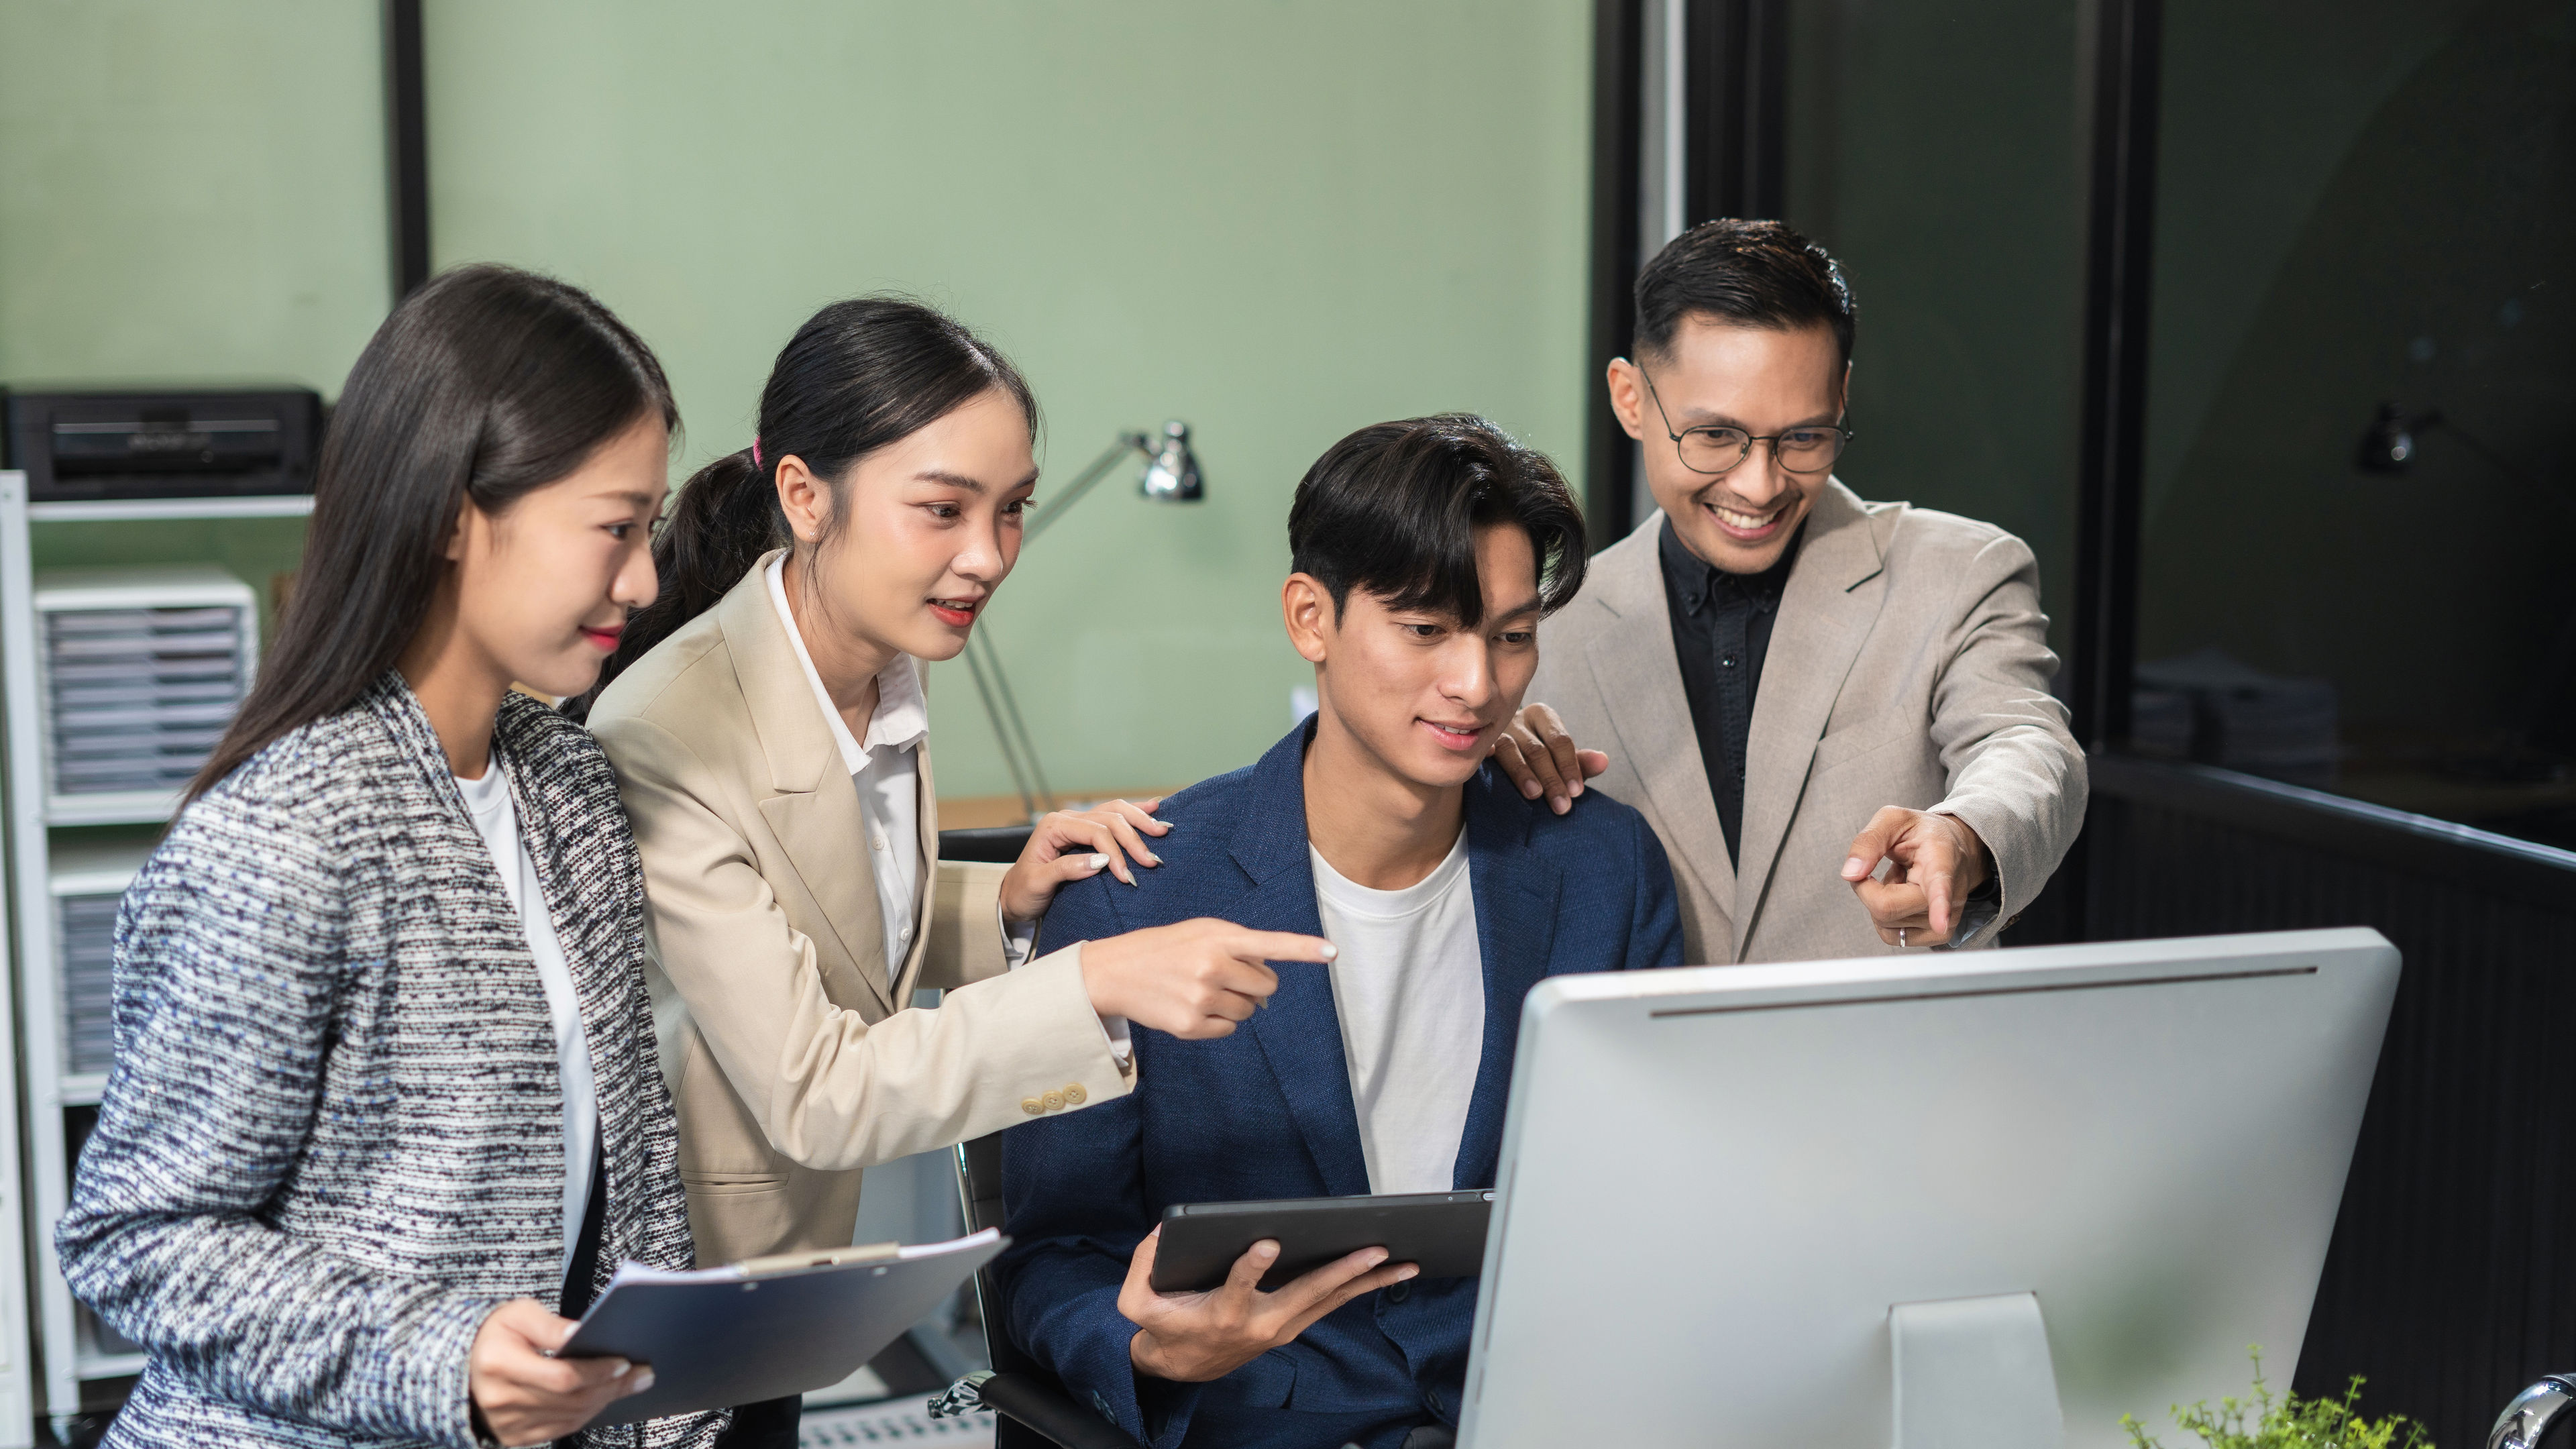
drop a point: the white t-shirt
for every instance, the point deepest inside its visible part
(497, 820)
(1409, 987)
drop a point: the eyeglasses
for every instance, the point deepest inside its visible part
(1811, 449)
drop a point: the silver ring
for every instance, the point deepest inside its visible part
(1900, 937)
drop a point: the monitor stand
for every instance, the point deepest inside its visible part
(1974, 1373)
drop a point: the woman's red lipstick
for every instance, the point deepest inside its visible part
(606, 639)
(954, 618)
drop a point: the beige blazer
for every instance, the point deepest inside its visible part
(789, 1061)
(1909, 665)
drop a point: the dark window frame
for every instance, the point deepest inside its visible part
(407, 144)
(1618, 94)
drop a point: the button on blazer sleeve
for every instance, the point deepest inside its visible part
(2016, 774)
(830, 1090)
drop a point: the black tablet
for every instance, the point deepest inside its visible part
(1442, 1231)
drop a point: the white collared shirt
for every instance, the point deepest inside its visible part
(886, 768)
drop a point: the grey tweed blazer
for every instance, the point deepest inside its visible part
(332, 1140)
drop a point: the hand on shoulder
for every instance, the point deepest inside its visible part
(1071, 845)
(1540, 757)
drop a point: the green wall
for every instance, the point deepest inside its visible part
(1938, 150)
(194, 193)
(1276, 221)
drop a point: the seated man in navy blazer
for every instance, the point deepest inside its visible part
(1425, 554)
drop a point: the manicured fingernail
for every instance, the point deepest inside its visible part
(643, 1381)
(1331, 950)
(1152, 859)
(1098, 862)
(621, 1366)
(1265, 1003)
(1855, 868)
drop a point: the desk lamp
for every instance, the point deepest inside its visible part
(1171, 475)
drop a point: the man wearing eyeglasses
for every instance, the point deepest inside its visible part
(1834, 713)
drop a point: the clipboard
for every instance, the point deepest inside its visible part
(769, 1327)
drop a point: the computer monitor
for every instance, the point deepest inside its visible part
(1832, 1205)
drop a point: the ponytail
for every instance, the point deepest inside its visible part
(859, 376)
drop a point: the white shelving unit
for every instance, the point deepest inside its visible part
(43, 875)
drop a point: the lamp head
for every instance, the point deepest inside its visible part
(2389, 444)
(1171, 469)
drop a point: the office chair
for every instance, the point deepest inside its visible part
(1031, 1406)
(992, 844)
(2531, 1413)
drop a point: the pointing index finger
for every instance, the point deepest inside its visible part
(1871, 846)
(1282, 946)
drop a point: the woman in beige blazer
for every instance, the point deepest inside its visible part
(766, 719)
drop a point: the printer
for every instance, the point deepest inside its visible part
(86, 445)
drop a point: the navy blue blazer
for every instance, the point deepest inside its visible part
(1266, 1112)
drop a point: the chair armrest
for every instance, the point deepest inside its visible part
(1046, 1408)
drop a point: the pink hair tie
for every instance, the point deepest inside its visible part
(755, 452)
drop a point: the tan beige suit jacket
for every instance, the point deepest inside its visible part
(789, 1061)
(1909, 665)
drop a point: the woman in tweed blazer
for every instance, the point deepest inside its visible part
(328, 1190)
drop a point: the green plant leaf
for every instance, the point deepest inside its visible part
(2285, 1422)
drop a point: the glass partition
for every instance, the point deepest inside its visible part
(2358, 492)
(1939, 150)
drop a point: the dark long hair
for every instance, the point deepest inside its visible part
(486, 383)
(859, 375)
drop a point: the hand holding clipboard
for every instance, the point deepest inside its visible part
(769, 1327)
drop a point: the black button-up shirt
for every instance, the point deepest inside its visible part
(1721, 631)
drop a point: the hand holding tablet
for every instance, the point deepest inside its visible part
(1443, 1233)
(1216, 1285)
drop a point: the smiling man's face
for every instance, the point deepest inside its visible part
(1763, 380)
(1417, 691)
